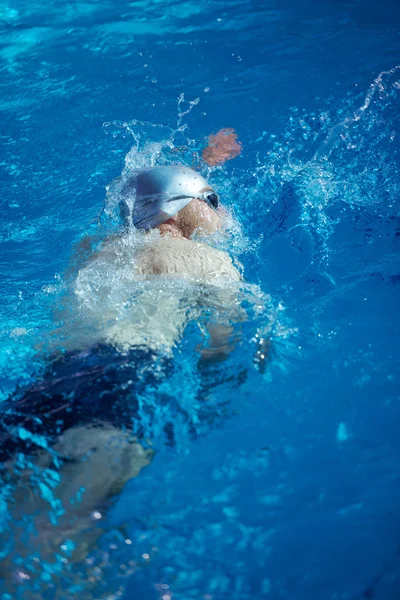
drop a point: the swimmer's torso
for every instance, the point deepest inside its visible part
(142, 289)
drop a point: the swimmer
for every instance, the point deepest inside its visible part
(171, 263)
(74, 424)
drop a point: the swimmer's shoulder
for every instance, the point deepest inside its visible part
(180, 256)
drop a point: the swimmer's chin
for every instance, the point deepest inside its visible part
(200, 233)
(212, 225)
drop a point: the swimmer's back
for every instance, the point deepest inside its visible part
(181, 257)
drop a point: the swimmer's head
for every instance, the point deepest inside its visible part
(158, 194)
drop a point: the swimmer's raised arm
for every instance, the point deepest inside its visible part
(222, 146)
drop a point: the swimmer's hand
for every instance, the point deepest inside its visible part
(222, 146)
(264, 352)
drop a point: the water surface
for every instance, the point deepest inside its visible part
(293, 492)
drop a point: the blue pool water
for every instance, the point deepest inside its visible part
(289, 487)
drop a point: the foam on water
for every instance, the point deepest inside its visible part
(324, 166)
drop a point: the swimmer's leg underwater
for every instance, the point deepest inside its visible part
(67, 450)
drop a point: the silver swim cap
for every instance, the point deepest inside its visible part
(158, 193)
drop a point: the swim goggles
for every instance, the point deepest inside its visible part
(209, 197)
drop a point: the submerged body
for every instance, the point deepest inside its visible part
(123, 314)
(88, 398)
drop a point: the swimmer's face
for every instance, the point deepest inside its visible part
(197, 214)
